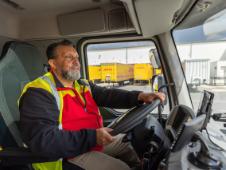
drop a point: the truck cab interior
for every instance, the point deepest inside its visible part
(179, 44)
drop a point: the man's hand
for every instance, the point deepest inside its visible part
(149, 97)
(103, 136)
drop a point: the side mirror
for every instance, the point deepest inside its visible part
(154, 59)
(157, 82)
(159, 85)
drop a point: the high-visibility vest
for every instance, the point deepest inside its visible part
(81, 114)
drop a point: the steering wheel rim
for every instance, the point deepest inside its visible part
(127, 121)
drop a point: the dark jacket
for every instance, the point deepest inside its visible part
(39, 121)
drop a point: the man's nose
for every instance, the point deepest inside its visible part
(76, 62)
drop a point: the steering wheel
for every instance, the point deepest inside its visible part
(127, 121)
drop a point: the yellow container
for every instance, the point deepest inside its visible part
(143, 71)
(94, 72)
(116, 72)
(158, 71)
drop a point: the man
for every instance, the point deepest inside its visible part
(60, 117)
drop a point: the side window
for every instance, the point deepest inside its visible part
(124, 65)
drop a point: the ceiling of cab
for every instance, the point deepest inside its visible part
(158, 16)
(202, 10)
(31, 8)
(37, 19)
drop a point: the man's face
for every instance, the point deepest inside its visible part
(66, 62)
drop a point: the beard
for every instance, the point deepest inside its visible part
(71, 75)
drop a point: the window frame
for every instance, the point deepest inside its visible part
(84, 42)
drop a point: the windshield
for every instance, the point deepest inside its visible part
(202, 51)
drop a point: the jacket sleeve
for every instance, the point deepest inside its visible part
(39, 128)
(114, 98)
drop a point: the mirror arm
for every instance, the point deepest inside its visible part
(165, 85)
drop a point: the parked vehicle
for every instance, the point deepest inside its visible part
(117, 73)
(218, 73)
(158, 71)
(94, 73)
(143, 72)
(197, 72)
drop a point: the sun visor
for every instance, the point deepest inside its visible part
(94, 21)
(82, 22)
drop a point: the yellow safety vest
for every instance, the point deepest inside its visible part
(47, 83)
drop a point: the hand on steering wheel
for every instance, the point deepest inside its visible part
(149, 97)
(131, 119)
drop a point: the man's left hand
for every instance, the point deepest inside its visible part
(149, 97)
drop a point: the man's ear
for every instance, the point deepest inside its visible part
(52, 64)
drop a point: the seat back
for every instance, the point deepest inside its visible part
(20, 63)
